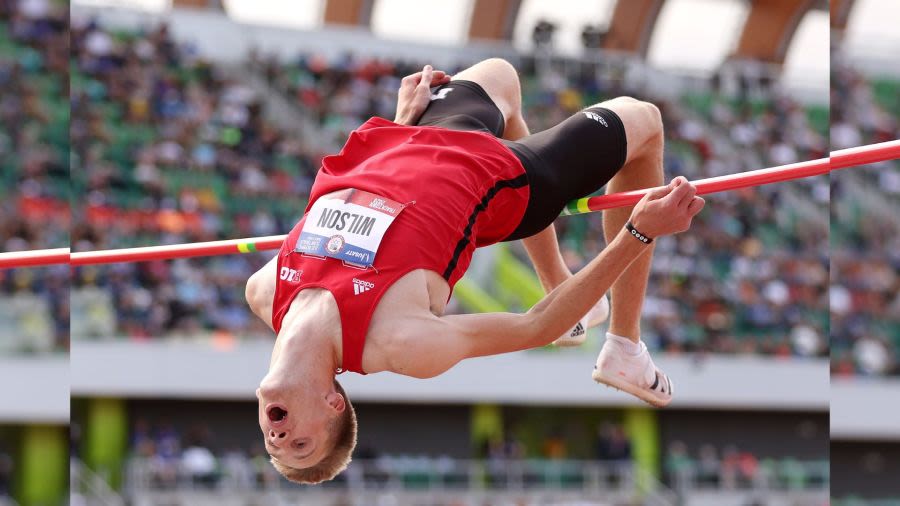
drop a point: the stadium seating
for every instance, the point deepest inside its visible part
(34, 177)
(865, 305)
(218, 169)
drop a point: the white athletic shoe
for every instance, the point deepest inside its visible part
(576, 336)
(599, 313)
(634, 374)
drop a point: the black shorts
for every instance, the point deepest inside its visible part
(566, 162)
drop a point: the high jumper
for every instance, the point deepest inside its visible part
(362, 281)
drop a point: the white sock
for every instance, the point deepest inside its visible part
(630, 347)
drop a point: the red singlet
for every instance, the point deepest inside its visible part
(462, 190)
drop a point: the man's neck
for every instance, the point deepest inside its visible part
(306, 345)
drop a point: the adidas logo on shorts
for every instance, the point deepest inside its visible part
(441, 94)
(596, 117)
(360, 286)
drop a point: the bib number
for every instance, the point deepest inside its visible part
(348, 225)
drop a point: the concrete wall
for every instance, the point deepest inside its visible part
(168, 369)
(35, 389)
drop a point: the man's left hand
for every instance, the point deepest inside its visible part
(415, 94)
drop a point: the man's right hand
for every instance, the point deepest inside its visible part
(668, 209)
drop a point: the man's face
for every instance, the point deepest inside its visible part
(295, 422)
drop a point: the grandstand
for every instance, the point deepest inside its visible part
(34, 176)
(865, 308)
(223, 169)
(34, 213)
(190, 125)
(128, 123)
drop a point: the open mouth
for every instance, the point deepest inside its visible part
(276, 413)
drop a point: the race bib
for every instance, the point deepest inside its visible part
(348, 225)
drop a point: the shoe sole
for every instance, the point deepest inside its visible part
(569, 343)
(648, 396)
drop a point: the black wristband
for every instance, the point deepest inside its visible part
(637, 235)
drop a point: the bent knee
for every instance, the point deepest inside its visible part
(500, 80)
(642, 121)
(512, 88)
(637, 111)
(498, 67)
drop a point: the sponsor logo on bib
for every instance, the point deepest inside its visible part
(348, 225)
(334, 244)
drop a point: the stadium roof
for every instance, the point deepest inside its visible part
(694, 35)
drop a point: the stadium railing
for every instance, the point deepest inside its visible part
(579, 478)
(770, 475)
(90, 487)
(415, 475)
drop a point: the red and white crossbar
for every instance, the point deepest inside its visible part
(844, 158)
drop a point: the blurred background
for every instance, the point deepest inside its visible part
(865, 265)
(198, 120)
(34, 214)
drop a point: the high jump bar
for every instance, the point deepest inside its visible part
(34, 258)
(838, 160)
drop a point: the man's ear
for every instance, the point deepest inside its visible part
(336, 401)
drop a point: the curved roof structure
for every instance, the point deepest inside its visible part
(694, 35)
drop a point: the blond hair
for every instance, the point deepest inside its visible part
(343, 434)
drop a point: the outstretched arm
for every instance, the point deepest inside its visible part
(436, 344)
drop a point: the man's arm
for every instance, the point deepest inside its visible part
(439, 343)
(431, 345)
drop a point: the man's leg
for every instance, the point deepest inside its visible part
(643, 169)
(543, 247)
(501, 82)
(588, 156)
(624, 362)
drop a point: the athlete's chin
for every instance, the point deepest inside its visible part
(274, 387)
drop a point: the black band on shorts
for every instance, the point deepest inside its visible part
(463, 105)
(566, 162)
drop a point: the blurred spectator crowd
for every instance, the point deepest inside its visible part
(166, 149)
(162, 458)
(729, 468)
(34, 172)
(865, 233)
(170, 148)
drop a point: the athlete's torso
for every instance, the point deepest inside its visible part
(415, 295)
(451, 191)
